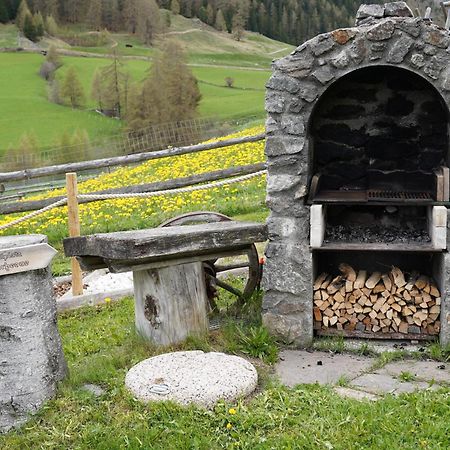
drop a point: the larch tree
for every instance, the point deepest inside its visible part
(22, 14)
(110, 87)
(175, 7)
(72, 90)
(169, 94)
(130, 15)
(94, 17)
(220, 24)
(51, 27)
(148, 22)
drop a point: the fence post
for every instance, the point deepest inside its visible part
(74, 229)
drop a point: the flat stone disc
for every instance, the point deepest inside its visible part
(192, 377)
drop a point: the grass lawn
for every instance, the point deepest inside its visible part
(217, 101)
(205, 45)
(24, 106)
(100, 346)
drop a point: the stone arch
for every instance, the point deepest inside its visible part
(301, 78)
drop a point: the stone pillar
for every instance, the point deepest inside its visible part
(444, 337)
(31, 356)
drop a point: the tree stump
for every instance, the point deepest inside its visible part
(31, 356)
(171, 303)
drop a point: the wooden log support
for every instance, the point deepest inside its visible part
(171, 303)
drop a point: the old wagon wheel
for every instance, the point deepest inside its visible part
(212, 268)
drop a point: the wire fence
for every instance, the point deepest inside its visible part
(151, 138)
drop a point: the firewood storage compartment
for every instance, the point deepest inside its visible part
(358, 157)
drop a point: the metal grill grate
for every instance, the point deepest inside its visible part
(392, 195)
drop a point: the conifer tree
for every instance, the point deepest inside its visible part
(4, 14)
(220, 24)
(148, 22)
(22, 14)
(169, 94)
(71, 90)
(25, 154)
(94, 16)
(110, 86)
(29, 30)
(51, 27)
(175, 7)
(238, 26)
(38, 23)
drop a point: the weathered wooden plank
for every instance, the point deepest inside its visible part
(16, 207)
(167, 243)
(171, 303)
(123, 160)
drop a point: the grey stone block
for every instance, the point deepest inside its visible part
(288, 228)
(293, 124)
(409, 26)
(281, 82)
(381, 31)
(321, 44)
(275, 102)
(397, 9)
(371, 10)
(341, 61)
(324, 75)
(288, 145)
(309, 92)
(278, 183)
(400, 49)
(292, 329)
(417, 60)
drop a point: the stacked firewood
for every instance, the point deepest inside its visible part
(377, 302)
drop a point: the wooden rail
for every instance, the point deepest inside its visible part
(123, 160)
(16, 207)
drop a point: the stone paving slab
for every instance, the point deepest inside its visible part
(385, 384)
(422, 370)
(354, 394)
(306, 367)
(300, 366)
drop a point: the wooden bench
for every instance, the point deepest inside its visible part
(169, 281)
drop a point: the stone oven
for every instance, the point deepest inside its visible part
(358, 154)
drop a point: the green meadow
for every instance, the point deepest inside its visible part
(24, 106)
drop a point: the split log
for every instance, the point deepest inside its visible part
(348, 272)
(373, 280)
(380, 303)
(361, 279)
(399, 278)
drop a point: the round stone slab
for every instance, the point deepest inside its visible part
(192, 377)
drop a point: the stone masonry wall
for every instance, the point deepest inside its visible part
(387, 36)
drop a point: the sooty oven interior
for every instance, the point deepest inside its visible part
(358, 157)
